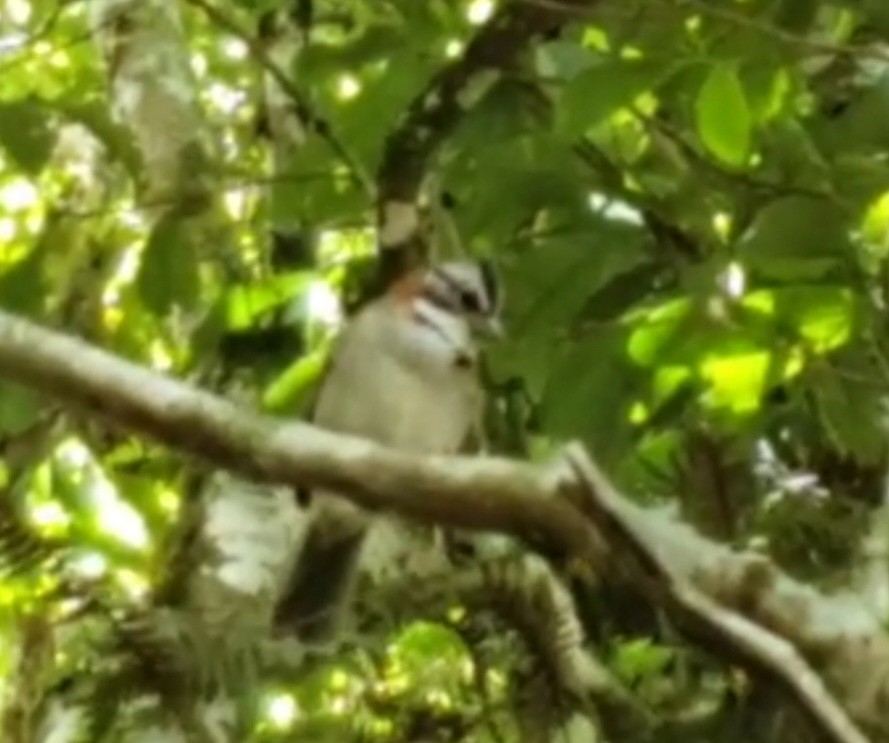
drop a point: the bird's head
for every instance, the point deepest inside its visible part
(466, 289)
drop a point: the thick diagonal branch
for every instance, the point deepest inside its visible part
(464, 492)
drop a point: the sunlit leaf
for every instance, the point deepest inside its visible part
(737, 380)
(246, 303)
(292, 389)
(766, 90)
(825, 317)
(659, 329)
(723, 117)
(875, 231)
(637, 658)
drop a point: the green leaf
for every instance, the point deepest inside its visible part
(604, 88)
(258, 6)
(375, 40)
(292, 390)
(499, 183)
(825, 317)
(246, 303)
(23, 287)
(767, 88)
(499, 116)
(736, 378)
(562, 59)
(878, 16)
(723, 116)
(19, 408)
(634, 659)
(309, 190)
(797, 15)
(858, 126)
(553, 281)
(851, 413)
(796, 238)
(26, 133)
(622, 292)
(660, 330)
(589, 393)
(168, 275)
(795, 156)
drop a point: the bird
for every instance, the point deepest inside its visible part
(402, 373)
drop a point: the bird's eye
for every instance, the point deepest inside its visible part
(470, 302)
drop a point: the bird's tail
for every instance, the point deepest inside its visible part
(316, 598)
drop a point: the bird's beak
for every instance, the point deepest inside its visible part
(488, 327)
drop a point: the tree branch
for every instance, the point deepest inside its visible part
(152, 93)
(700, 613)
(434, 114)
(463, 492)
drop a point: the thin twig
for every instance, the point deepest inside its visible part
(787, 37)
(225, 186)
(815, 46)
(304, 108)
(20, 54)
(691, 154)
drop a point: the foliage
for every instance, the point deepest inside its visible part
(689, 204)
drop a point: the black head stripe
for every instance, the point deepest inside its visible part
(479, 297)
(446, 278)
(445, 297)
(491, 284)
(437, 298)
